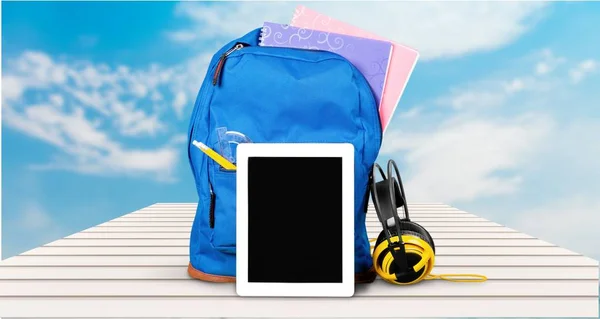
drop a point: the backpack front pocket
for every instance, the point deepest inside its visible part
(222, 217)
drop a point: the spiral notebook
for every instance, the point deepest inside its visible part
(402, 62)
(371, 57)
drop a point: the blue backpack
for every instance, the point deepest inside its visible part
(261, 94)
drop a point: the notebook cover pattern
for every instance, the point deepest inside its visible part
(402, 61)
(369, 56)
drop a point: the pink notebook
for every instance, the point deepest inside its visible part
(402, 61)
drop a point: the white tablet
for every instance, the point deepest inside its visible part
(295, 220)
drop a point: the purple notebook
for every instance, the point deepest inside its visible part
(369, 56)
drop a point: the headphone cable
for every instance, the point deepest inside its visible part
(452, 277)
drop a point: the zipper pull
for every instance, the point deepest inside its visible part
(222, 62)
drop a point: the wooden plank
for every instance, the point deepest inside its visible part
(187, 229)
(193, 214)
(146, 223)
(184, 251)
(185, 242)
(109, 251)
(152, 219)
(32, 260)
(361, 307)
(63, 261)
(458, 222)
(526, 265)
(420, 220)
(192, 208)
(413, 213)
(188, 224)
(145, 229)
(195, 288)
(422, 215)
(168, 209)
(437, 224)
(369, 220)
(98, 273)
(473, 235)
(158, 215)
(457, 230)
(180, 272)
(416, 218)
(429, 209)
(371, 234)
(136, 235)
(121, 242)
(370, 207)
(190, 219)
(370, 211)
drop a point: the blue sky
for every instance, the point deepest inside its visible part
(500, 117)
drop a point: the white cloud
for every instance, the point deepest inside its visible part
(571, 222)
(134, 122)
(187, 77)
(12, 87)
(179, 102)
(33, 217)
(56, 100)
(486, 93)
(537, 147)
(226, 19)
(568, 212)
(464, 99)
(34, 220)
(139, 90)
(178, 139)
(91, 99)
(20, 122)
(40, 68)
(489, 92)
(463, 159)
(156, 97)
(90, 149)
(514, 86)
(75, 105)
(85, 109)
(32, 70)
(542, 68)
(548, 62)
(182, 36)
(105, 89)
(413, 112)
(584, 68)
(159, 163)
(546, 75)
(435, 29)
(487, 142)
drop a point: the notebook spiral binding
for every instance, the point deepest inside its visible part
(264, 30)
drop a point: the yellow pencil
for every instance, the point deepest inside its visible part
(214, 155)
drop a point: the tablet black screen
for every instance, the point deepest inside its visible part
(295, 219)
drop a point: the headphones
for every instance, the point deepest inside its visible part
(404, 252)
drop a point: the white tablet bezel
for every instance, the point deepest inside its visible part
(343, 289)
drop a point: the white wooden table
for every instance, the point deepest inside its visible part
(135, 266)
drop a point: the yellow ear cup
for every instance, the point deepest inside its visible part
(413, 246)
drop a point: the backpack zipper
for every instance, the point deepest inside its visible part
(211, 209)
(221, 62)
